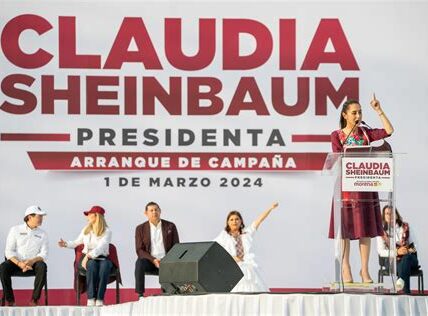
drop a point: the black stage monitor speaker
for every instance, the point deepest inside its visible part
(198, 267)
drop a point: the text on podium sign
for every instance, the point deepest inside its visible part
(374, 174)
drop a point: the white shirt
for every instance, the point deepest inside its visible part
(157, 247)
(93, 245)
(384, 251)
(25, 243)
(228, 242)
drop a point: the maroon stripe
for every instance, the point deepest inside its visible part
(310, 138)
(35, 137)
(45, 160)
(68, 296)
(296, 290)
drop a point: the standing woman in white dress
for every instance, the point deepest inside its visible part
(237, 240)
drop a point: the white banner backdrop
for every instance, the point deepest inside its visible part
(254, 55)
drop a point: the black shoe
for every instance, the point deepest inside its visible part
(10, 303)
(34, 302)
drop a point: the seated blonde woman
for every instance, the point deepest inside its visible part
(95, 237)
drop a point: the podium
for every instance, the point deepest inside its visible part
(364, 184)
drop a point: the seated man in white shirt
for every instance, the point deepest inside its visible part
(26, 250)
(153, 239)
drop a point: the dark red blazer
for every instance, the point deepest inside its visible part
(143, 239)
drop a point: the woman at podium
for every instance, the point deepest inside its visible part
(237, 240)
(360, 213)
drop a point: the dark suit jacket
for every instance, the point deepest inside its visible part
(143, 238)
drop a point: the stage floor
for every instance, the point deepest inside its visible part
(295, 304)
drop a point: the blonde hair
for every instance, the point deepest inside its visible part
(99, 227)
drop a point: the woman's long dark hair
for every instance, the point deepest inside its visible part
(398, 218)
(227, 228)
(345, 106)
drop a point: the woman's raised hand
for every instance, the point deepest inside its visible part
(262, 217)
(375, 104)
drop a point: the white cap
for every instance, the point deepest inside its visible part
(34, 209)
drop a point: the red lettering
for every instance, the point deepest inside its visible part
(93, 95)
(238, 103)
(173, 45)
(130, 95)
(8, 87)
(329, 29)
(68, 57)
(153, 90)
(349, 89)
(10, 41)
(50, 94)
(132, 29)
(194, 96)
(281, 106)
(232, 28)
(287, 44)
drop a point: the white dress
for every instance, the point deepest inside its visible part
(251, 281)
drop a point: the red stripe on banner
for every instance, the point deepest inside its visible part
(58, 297)
(297, 290)
(35, 137)
(177, 161)
(67, 297)
(310, 138)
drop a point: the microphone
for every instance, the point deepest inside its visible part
(365, 124)
(349, 134)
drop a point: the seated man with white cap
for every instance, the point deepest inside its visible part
(26, 249)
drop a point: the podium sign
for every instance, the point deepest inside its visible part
(367, 174)
(364, 178)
